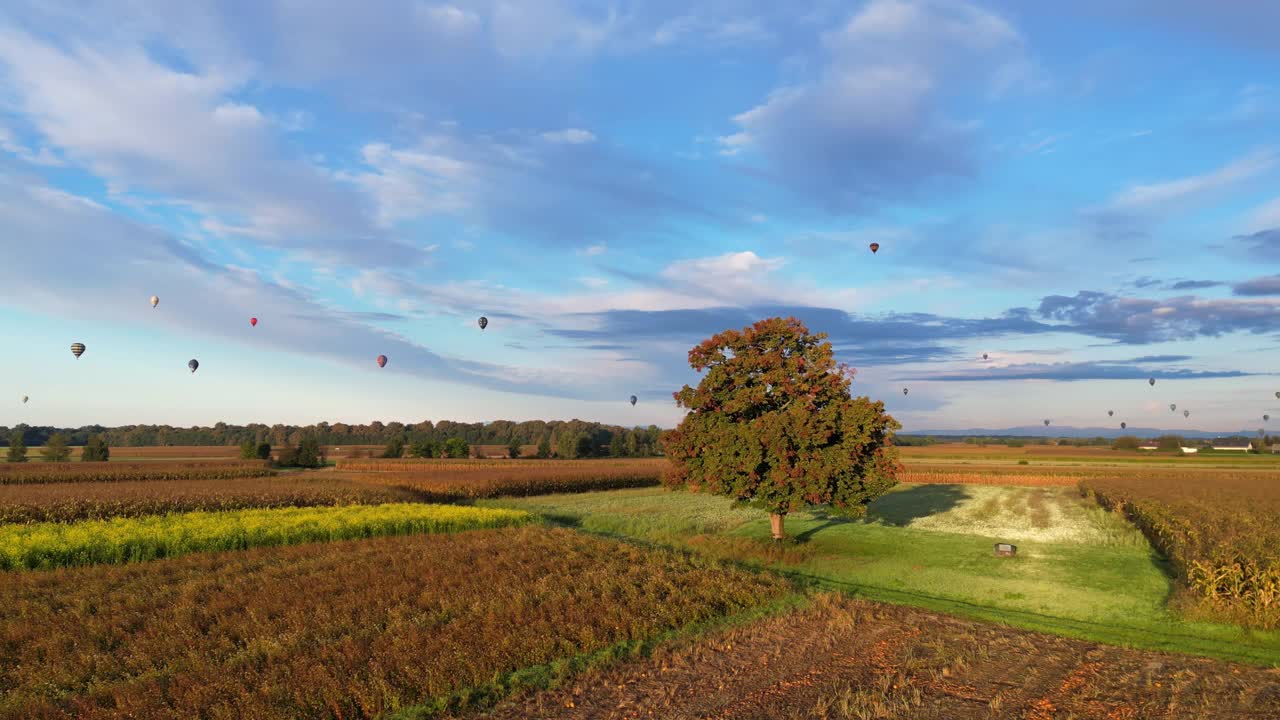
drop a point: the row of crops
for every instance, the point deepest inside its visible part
(415, 624)
(1219, 532)
(39, 473)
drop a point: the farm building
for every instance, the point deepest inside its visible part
(1147, 447)
(1234, 448)
(1190, 450)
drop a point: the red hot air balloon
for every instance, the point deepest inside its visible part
(382, 361)
(253, 322)
(874, 247)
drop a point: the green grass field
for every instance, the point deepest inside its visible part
(1080, 571)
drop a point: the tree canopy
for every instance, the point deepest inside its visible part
(17, 448)
(95, 450)
(55, 449)
(772, 424)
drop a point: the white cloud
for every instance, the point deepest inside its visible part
(594, 250)
(449, 18)
(1266, 217)
(870, 122)
(593, 282)
(759, 218)
(41, 157)
(570, 136)
(179, 138)
(538, 29)
(1165, 194)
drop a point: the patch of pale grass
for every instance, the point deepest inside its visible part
(1048, 514)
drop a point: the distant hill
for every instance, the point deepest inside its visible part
(1055, 431)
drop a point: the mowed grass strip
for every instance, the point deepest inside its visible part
(72, 502)
(349, 629)
(125, 540)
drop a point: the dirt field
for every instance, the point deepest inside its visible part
(846, 658)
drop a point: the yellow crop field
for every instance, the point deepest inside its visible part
(124, 540)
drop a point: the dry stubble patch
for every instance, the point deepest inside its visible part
(349, 629)
(844, 658)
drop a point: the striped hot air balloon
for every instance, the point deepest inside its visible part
(77, 349)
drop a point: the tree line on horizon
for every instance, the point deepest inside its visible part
(1123, 442)
(562, 438)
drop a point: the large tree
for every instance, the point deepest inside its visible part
(772, 424)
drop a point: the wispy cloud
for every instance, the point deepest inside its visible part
(1077, 371)
(1151, 196)
(142, 126)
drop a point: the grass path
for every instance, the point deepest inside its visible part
(1079, 572)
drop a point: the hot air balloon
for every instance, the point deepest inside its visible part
(633, 401)
(1186, 413)
(1152, 381)
(984, 356)
(1266, 418)
(382, 361)
(77, 349)
(24, 399)
(1172, 407)
(155, 300)
(874, 247)
(904, 391)
(253, 322)
(1111, 413)
(193, 364)
(1278, 396)
(1123, 426)
(483, 322)
(1046, 423)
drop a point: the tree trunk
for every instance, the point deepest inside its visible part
(775, 525)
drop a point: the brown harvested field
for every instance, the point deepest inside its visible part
(970, 476)
(35, 473)
(653, 465)
(349, 629)
(846, 659)
(69, 502)
(461, 479)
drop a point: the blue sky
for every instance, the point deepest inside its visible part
(1088, 192)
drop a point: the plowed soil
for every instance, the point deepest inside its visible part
(846, 658)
